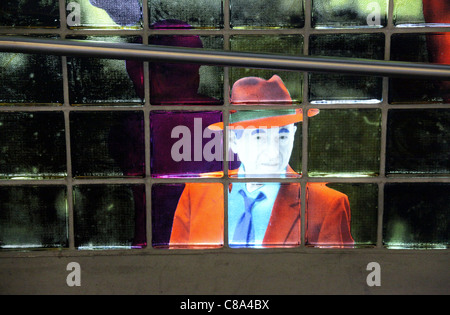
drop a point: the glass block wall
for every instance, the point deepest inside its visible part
(116, 154)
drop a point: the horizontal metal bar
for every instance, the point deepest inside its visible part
(125, 51)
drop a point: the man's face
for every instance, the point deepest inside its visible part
(264, 151)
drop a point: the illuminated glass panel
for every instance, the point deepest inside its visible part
(291, 45)
(95, 81)
(181, 83)
(109, 216)
(349, 13)
(32, 145)
(107, 144)
(29, 13)
(198, 13)
(182, 145)
(189, 215)
(265, 143)
(248, 14)
(263, 214)
(341, 215)
(416, 216)
(110, 14)
(24, 77)
(344, 143)
(415, 13)
(424, 48)
(418, 141)
(33, 217)
(329, 88)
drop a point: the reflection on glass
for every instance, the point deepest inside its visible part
(416, 216)
(363, 201)
(345, 143)
(100, 81)
(337, 88)
(264, 214)
(110, 14)
(105, 216)
(291, 45)
(29, 13)
(188, 215)
(415, 13)
(182, 145)
(418, 141)
(24, 77)
(32, 145)
(198, 13)
(33, 217)
(427, 48)
(349, 13)
(247, 14)
(107, 144)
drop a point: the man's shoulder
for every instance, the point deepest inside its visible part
(322, 191)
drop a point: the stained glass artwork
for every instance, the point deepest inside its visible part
(264, 215)
(189, 215)
(107, 144)
(422, 48)
(255, 14)
(349, 13)
(29, 13)
(290, 45)
(33, 217)
(344, 143)
(418, 141)
(33, 145)
(109, 216)
(96, 81)
(182, 145)
(416, 216)
(25, 76)
(416, 13)
(181, 83)
(331, 88)
(200, 14)
(104, 14)
(265, 143)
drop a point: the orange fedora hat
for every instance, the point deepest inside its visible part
(257, 91)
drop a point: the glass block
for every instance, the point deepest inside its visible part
(265, 143)
(189, 215)
(181, 83)
(341, 215)
(256, 14)
(182, 145)
(345, 143)
(349, 13)
(109, 14)
(264, 214)
(414, 13)
(107, 144)
(109, 216)
(330, 88)
(290, 45)
(425, 48)
(29, 13)
(202, 14)
(33, 217)
(25, 76)
(416, 216)
(96, 81)
(418, 141)
(32, 145)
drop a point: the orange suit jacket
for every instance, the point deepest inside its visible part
(199, 217)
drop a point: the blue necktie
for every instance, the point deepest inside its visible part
(244, 232)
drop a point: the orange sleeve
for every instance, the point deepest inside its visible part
(181, 222)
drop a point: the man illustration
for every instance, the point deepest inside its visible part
(261, 214)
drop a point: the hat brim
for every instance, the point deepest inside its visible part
(266, 122)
